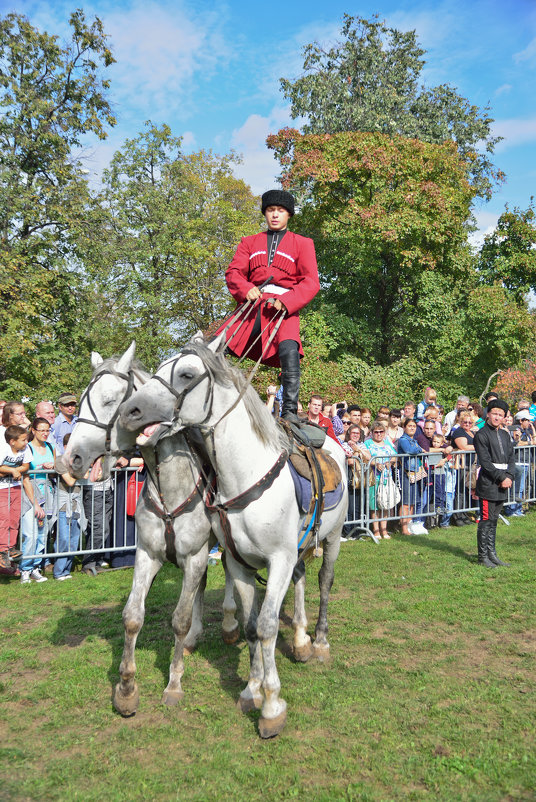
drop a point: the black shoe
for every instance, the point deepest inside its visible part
(89, 570)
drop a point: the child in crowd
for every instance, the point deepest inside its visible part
(15, 459)
(38, 499)
(443, 478)
(430, 400)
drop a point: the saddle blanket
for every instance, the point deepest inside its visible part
(302, 487)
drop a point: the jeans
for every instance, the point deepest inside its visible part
(34, 535)
(67, 539)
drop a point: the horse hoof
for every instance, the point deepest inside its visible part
(126, 705)
(270, 727)
(231, 637)
(248, 703)
(303, 653)
(321, 653)
(171, 698)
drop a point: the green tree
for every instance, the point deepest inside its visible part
(158, 240)
(388, 218)
(51, 95)
(370, 81)
(508, 255)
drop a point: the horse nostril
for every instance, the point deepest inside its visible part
(135, 413)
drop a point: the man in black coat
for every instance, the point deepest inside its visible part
(495, 454)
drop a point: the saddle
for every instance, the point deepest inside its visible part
(311, 462)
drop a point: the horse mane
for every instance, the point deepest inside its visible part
(224, 372)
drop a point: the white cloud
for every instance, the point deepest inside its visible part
(527, 54)
(259, 168)
(515, 131)
(161, 53)
(486, 223)
(188, 139)
(503, 90)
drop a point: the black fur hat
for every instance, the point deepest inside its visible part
(498, 403)
(278, 197)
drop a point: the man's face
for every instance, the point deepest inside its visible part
(496, 416)
(461, 403)
(409, 411)
(45, 409)
(277, 217)
(355, 416)
(68, 409)
(315, 406)
(429, 428)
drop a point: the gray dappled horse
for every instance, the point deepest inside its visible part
(201, 390)
(171, 519)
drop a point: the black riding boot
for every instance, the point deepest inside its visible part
(492, 529)
(289, 359)
(482, 540)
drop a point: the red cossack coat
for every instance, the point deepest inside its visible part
(293, 268)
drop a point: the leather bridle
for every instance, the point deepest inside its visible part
(129, 378)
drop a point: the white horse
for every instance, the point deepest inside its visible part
(203, 392)
(171, 520)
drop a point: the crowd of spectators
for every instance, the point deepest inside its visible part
(428, 454)
(427, 451)
(51, 509)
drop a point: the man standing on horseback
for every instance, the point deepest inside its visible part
(287, 261)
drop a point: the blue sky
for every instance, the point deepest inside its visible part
(211, 70)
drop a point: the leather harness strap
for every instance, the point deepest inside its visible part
(169, 517)
(241, 501)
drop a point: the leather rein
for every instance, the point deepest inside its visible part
(256, 490)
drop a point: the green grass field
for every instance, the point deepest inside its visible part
(430, 692)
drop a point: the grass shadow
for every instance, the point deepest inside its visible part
(440, 545)
(105, 621)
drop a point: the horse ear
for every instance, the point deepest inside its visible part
(125, 362)
(96, 360)
(198, 337)
(218, 343)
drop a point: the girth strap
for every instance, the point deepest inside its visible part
(241, 501)
(169, 517)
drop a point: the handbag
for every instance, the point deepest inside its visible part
(355, 477)
(134, 488)
(416, 476)
(387, 493)
(471, 476)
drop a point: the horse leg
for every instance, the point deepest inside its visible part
(251, 697)
(194, 570)
(196, 628)
(230, 626)
(126, 696)
(325, 581)
(274, 709)
(303, 649)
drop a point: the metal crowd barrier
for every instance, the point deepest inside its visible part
(87, 519)
(432, 489)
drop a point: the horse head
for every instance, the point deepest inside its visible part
(179, 394)
(97, 433)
